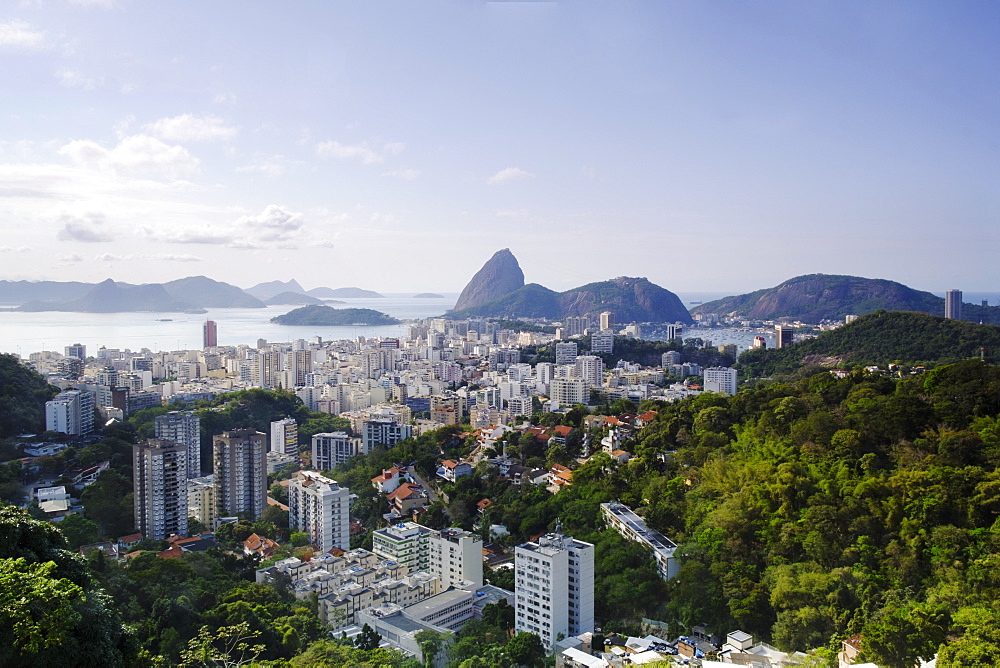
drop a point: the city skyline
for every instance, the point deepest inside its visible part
(146, 143)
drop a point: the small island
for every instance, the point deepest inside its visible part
(325, 316)
(428, 295)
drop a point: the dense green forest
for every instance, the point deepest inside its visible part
(880, 338)
(23, 394)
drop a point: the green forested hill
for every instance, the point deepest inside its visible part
(23, 394)
(880, 338)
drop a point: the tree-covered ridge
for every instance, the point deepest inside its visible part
(326, 316)
(880, 338)
(810, 512)
(816, 297)
(23, 393)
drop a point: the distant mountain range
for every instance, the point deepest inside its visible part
(186, 294)
(497, 290)
(192, 294)
(817, 297)
(266, 291)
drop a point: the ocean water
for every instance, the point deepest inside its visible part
(25, 333)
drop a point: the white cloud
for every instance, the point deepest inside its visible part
(405, 174)
(111, 257)
(21, 35)
(510, 174)
(75, 79)
(89, 229)
(274, 223)
(224, 98)
(71, 257)
(191, 128)
(176, 257)
(363, 151)
(274, 226)
(512, 213)
(137, 154)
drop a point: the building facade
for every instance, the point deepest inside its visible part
(319, 506)
(70, 412)
(330, 449)
(554, 587)
(456, 557)
(285, 436)
(953, 304)
(182, 427)
(720, 379)
(406, 543)
(240, 472)
(159, 484)
(209, 334)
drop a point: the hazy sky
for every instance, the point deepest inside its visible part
(716, 146)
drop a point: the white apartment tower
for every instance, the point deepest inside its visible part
(331, 449)
(285, 436)
(953, 304)
(602, 342)
(183, 428)
(591, 369)
(569, 391)
(384, 431)
(566, 352)
(720, 379)
(456, 556)
(406, 543)
(607, 320)
(319, 506)
(554, 587)
(70, 412)
(240, 472)
(159, 484)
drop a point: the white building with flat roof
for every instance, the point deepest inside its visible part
(720, 379)
(456, 557)
(406, 542)
(330, 449)
(554, 587)
(320, 507)
(182, 427)
(285, 436)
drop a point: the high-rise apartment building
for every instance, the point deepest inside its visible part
(330, 449)
(209, 334)
(159, 484)
(953, 304)
(554, 587)
(575, 325)
(299, 364)
(77, 350)
(783, 336)
(569, 391)
(70, 412)
(566, 352)
(456, 556)
(285, 436)
(607, 320)
(184, 428)
(720, 379)
(240, 472)
(602, 342)
(201, 499)
(384, 431)
(591, 369)
(406, 543)
(265, 369)
(319, 506)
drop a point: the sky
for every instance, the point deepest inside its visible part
(395, 146)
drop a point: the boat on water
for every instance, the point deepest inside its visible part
(164, 320)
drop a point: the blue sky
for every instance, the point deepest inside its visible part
(713, 146)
